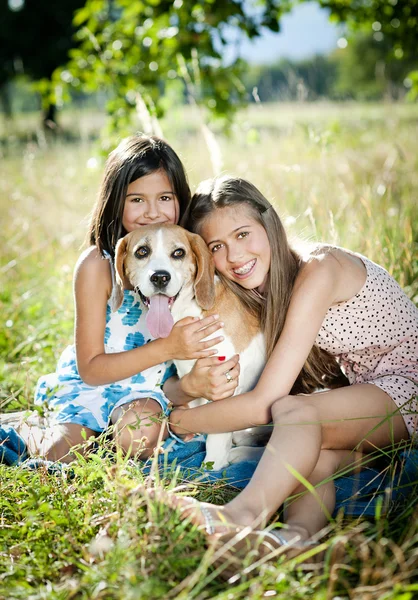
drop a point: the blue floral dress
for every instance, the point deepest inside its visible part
(73, 401)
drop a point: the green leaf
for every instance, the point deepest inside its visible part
(81, 16)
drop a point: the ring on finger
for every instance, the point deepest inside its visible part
(228, 376)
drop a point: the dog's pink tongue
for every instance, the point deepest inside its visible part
(159, 320)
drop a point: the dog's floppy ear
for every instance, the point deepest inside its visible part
(204, 285)
(116, 298)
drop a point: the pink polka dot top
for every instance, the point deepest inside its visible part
(375, 337)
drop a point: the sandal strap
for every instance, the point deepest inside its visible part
(209, 523)
(284, 542)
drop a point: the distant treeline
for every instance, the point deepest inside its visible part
(364, 70)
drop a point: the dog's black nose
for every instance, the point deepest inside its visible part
(160, 279)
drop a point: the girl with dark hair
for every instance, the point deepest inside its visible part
(114, 372)
(331, 304)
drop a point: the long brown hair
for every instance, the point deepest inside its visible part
(321, 368)
(135, 157)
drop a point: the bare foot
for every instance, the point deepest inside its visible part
(212, 519)
(235, 543)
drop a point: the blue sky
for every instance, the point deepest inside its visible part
(304, 32)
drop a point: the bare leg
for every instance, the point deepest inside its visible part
(308, 513)
(137, 427)
(54, 443)
(346, 418)
(359, 417)
(295, 444)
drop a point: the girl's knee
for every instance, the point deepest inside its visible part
(138, 428)
(132, 443)
(297, 409)
(328, 462)
(326, 466)
(62, 438)
(135, 411)
(139, 442)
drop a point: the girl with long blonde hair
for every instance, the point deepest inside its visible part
(331, 310)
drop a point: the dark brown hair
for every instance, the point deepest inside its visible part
(135, 157)
(321, 368)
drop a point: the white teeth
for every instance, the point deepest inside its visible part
(245, 268)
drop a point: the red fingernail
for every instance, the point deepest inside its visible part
(221, 358)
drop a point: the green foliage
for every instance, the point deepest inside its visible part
(395, 19)
(40, 194)
(367, 69)
(138, 50)
(94, 531)
(144, 55)
(394, 22)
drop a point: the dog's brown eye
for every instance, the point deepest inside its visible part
(178, 253)
(142, 252)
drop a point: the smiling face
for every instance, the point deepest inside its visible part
(239, 245)
(149, 200)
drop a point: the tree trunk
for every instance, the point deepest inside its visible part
(49, 118)
(5, 102)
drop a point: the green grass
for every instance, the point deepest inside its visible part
(346, 175)
(90, 533)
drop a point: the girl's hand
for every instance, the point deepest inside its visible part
(208, 378)
(185, 340)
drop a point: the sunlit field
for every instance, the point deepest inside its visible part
(347, 175)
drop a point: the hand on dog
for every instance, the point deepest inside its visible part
(207, 378)
(187, 338)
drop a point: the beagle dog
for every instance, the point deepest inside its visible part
(173, 272)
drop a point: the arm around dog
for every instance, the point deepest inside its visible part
(234, 413)
(317, 288)
(92, 287)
